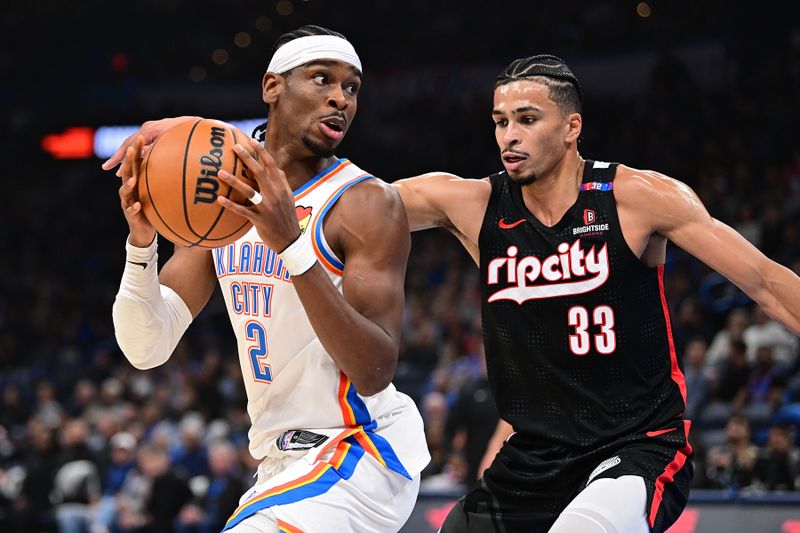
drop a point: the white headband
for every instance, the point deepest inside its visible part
(304, 49)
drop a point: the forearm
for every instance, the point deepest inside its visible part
(779, 296)
(360, 348)
(149, 318)
(419, 210)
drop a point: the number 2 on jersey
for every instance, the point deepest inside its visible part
(258, 353)
(580, 342)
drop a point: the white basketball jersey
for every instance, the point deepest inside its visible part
(291, 381)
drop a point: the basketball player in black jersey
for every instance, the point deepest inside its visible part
(576, 328)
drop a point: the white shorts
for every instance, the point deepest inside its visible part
(346, 490)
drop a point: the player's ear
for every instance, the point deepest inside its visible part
(271, 87)
(574, 126)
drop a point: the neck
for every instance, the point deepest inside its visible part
(294, 158)
(549, 197)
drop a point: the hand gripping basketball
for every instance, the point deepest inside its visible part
(271, 209)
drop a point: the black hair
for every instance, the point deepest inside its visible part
(550, 71)
(303, 31)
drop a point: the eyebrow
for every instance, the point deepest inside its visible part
(332, 63)
(518, 110)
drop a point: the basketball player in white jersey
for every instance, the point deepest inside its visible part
(315, 296)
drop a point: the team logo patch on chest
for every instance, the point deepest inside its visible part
(303, 217)
(590, 225)
(571, 271)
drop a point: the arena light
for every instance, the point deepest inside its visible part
(72, 143)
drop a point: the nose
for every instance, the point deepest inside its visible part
(511, 135)
(336, 97)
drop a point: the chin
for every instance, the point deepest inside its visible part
(319, 149)
(522, 178)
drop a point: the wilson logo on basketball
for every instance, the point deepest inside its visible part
(208, 183)
(586, 270)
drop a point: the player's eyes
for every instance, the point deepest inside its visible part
(320, 78)
(352, 88)
(501, 123)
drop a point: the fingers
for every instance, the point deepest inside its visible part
(132, 160)
(117, 156)
(236, 208)
(236, 184)
(139, 154)
(127, 192)
(264, 157)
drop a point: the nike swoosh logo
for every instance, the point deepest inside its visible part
(143, 265)
(508, 225)
(659, 432)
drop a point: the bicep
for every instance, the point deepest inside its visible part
(190, 273)
(376, 245)
(687, 223)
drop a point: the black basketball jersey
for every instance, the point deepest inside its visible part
(576, 328)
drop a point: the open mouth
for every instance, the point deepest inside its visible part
(332, 127)
(513, 161)
(334, 123)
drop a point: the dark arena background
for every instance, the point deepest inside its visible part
(706, 92)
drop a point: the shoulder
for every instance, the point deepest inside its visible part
(371, 196)
(647, 184)
(659, 198)
(370, 205)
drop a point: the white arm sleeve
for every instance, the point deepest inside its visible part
(149, 318)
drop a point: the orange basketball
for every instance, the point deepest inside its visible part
(179, 184)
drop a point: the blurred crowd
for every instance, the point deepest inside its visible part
(88, 443)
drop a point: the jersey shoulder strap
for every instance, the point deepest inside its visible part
(598, 175)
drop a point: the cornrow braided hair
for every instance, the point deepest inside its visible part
(304, 31)
(551, 71)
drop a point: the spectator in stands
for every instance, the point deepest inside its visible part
(767, 332)
(14, 410)
(226, 485)
(122, 450)
(765, 372)
(697, 377)
(777, 466)
(730, 466)
(161, 495)
(190, 455)
(76, 486)
(721, 343)
(474, 416)
(733, 375)
(34, 511)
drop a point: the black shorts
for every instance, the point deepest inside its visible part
(512, 498)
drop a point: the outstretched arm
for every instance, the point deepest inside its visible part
(674, 210)
(444, 200)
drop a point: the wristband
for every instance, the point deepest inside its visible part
(298, 257)
(142, 257)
